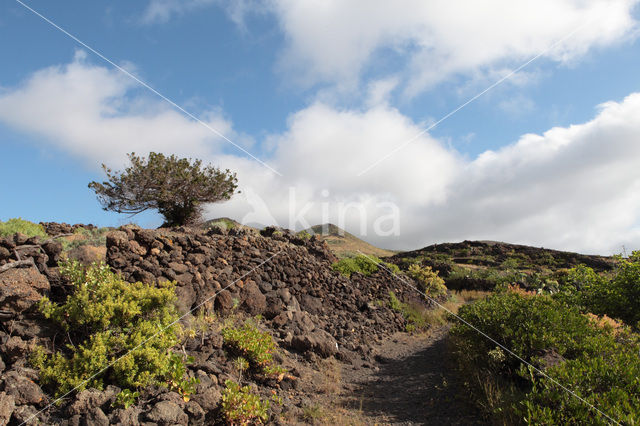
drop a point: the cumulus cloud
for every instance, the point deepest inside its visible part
(97, 113)
(336, 42)
(339, 45)
(574, 188)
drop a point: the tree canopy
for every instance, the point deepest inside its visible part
(176, 187)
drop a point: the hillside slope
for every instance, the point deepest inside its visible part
(344, 244)
(483, 264)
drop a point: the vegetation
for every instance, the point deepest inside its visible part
(14, 225)
(240, 406)
(254, 346)
(428, 281)
(118, 333)
(362, 264)
(414, 314)
(223, 222)
(617, 296)
(176, 187)
(85, 237)
(596, 360)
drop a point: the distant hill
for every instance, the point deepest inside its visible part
(223, 222)
(483, 264)
(344, 244)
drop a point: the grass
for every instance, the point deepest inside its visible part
(85, 237)
(421, 318)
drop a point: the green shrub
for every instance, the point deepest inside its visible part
(599, 364)
(617, 296)
(255, 346)
(14, 225)
(428, 281)
(223, 223)
(126, 398)
(365, 265)
(304, 235)
(362, 264)
(106, 318)
(240, 406)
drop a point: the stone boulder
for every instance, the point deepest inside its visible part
(23, 389)
(7, 405)
(167, 413)
(20, 290)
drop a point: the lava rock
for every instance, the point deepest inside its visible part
(21, 289)
(167, 413)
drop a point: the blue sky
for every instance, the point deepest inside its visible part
(321, 92)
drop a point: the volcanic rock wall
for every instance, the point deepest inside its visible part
(286, 279)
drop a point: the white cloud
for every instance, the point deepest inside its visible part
(337, 44)
(97, 114)
(575, 188)
(336, 41)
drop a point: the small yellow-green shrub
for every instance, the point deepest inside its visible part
(240, 406)
(14, 225)
(429, 281)
(254, 345)
(127, 329)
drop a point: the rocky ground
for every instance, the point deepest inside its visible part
(325, 325)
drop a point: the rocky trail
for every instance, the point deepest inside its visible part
(410, 383)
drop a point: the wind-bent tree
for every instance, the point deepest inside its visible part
(176, 187)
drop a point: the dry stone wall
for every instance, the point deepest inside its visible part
(286, 279)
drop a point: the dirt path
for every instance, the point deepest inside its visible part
(410, 384)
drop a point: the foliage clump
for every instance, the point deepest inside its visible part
(365, 265)
(240, 406)
(176, 187)
(253, 345)
(617, 296)
(428, 280)
(590, 359)
(118, 333)
(15, 225)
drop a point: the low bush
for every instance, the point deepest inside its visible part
(240, 406)
(127, 329)
(428, 281)
(361, 264)
(616, 296)
(15, 225)
(598, 364)
(253, 345)
(365, 265)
